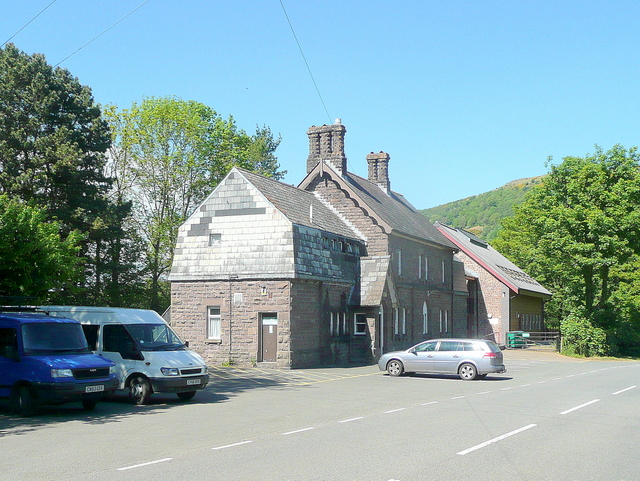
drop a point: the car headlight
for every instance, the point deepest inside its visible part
(170, 371)
(61, 373)
(112, 369)
(205, 370)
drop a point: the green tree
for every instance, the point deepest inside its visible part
(35, 261)
(171, 153)
(577, 230)
(52, 149)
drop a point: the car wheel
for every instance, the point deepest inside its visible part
(139, 390)
(395, 368)
(185, 396)
(23, 401)
(89, 404)
(468, 372)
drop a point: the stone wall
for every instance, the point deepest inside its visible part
(241, 303)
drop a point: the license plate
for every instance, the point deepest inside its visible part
(191, 382)
(99, 388)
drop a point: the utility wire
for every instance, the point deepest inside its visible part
(305, 62)
(25, 26)
(101, 33)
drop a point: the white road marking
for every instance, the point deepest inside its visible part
(394, 410)
(495, 440)
(352, 419)
(297, 431)
(430, 402)
(579, 407)
(145, 464)
(232, 445)
(484, 392)
(458, 397)
(623, 390)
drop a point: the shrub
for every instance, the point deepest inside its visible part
(581, 338)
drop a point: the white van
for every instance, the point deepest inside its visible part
(149, 355)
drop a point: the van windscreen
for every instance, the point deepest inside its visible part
(53, 338)
(155, 337)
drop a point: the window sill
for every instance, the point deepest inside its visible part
(213, 341)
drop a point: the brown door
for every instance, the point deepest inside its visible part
(269, 337)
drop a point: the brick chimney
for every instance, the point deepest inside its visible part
(379, 170)
(326, 143)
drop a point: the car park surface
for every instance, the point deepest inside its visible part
(352, 424)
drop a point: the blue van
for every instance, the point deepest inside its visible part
(46, 360)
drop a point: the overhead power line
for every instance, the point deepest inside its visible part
(25, 25)
(305, 62)
(101, 33)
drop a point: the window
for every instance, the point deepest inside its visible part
(214, 323)
(449, 346)
(214, 239)
(396, 327)
(404, 321)
(345, 328)
(91, 333)
(426, 268)
(117, 339)
(8, 342)
(331, 325)
(444, 279)
(360, 324)
(425, 318)
(444, 320)
(427, 346)
(399, 252)
(419, 267)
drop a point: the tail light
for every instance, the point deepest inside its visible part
(490, 355)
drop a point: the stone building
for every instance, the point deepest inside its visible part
(336, 270)
(502, 297)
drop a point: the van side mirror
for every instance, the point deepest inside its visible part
(186, 343)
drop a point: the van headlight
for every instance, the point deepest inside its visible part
(112, 369)
(170, 371)
(61, 373)
(205, 370)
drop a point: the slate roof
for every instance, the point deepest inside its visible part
(494, 262)
(391, 208)
(373, 276)
(299, 206)
(396, 211)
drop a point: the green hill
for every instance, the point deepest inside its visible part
(481, 214)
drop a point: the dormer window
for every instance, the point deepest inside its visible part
(215, 239)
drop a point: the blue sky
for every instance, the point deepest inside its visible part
(465, 96)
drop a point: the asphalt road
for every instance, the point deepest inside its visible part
(546, 418)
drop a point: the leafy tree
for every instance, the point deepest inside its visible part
(171, 153)
(52, 139)
(35, 261)
(577, 231)
(52, 150)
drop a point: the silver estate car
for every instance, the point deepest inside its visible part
(468, 358)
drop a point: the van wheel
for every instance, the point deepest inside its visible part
(139, 390)
(23, 401)
(89, 404)
(468, 372)
(185, 396)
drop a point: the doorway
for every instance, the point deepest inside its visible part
(269, 337)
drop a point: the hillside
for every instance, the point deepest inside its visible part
(481, 214)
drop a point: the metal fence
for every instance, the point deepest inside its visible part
(546, 339)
